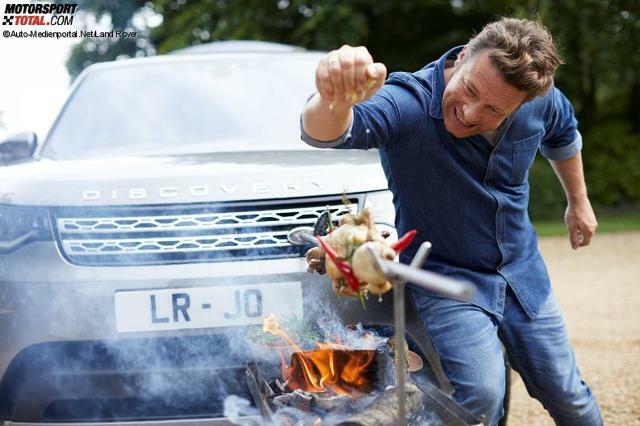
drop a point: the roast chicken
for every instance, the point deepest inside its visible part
(344, 255)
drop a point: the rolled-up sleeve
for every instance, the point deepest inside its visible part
(372, 125)
(562, 139)
(325, 144)
(378, 121)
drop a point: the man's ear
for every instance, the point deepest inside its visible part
(460, 57)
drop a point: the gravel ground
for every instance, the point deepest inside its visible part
(598, 288)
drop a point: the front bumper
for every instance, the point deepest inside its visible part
(188, 422)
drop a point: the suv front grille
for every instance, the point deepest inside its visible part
(176, 234)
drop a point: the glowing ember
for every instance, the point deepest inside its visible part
(330, 368)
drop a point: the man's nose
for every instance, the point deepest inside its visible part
(471, 113)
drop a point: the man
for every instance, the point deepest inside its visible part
(456, 140)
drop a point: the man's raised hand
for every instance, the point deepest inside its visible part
(348, 76)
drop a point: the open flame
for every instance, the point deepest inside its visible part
(330, 368)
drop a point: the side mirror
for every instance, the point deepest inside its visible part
(18, 147)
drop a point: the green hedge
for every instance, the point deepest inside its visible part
(611, 156)
(547, 200)
(612, 164)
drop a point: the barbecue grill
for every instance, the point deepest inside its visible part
(436, 400)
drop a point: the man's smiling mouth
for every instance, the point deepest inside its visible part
(461, 120)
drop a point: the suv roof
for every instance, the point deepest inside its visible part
(217, 49)
(237, 46)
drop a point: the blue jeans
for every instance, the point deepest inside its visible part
(469, 341)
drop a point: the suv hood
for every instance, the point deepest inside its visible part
(228, 176)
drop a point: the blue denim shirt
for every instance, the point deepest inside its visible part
(466, 196)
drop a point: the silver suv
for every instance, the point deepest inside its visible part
(148, 230)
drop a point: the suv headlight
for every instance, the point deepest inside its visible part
(381, 205)
(19, 225)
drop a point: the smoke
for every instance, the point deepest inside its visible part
(237, 409)
(80, 367)
(354, 337)
(239, 412)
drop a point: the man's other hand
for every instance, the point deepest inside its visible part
(581, 223)
(315, 260)
(348, 76)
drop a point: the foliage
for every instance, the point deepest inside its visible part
(403, 34)
(599, 40)
(301, 332)
(116, 14)
(546, 199)
(611, 157)
(612, 164)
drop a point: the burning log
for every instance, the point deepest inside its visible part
(381, 411)
(310, 402)
(384, 409)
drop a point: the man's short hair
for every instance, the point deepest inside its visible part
(522, 50)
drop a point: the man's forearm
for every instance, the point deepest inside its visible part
(326, 121)
(579, 216)
(571, 175)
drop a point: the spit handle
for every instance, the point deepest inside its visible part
(430, 281)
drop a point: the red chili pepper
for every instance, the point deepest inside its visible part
(332, 254)
(342, 265)
(404, 241)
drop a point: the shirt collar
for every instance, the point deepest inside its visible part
(437, 82)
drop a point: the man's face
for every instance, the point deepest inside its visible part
(476, 98)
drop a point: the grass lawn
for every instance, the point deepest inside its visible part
(613, 223)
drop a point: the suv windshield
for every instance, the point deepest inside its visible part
(230, 103)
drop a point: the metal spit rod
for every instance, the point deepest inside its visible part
(399, 320)
(302, 235)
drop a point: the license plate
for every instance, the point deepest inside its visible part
(205, 307)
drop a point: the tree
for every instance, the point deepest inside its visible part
(117, 14)
(405, 34)
(600, 42)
